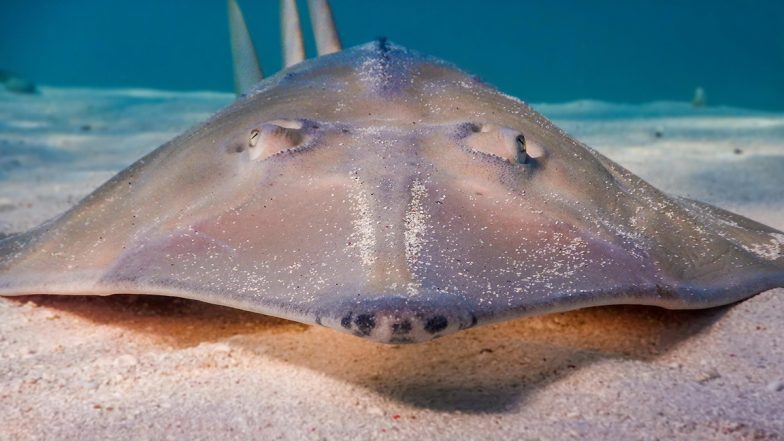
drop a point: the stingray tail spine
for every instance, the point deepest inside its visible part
(247, 70)
(327, 39)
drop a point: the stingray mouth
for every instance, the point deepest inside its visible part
(398, 320)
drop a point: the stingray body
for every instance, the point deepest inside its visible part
(390, 195)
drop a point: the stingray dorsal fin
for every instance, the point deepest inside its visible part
(247, 70)
(293, 47)
(327, 39)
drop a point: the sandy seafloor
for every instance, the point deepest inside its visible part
(143, 367)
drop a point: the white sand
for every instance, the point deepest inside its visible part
(140, 367)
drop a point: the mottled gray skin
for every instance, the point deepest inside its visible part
(387, 194)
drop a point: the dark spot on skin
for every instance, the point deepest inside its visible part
(392, 70)
(436, 324)
(383, 44)
(346, 321)
(86, 127)
(401, 328)
(738, 151)
(365, 324)
(239, 149)
(665, 292)
(658, 134)
(465, 129)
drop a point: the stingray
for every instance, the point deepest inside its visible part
(387, 194)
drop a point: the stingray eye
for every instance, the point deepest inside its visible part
(253, 138)
(274, 137)
(521, 151)
(505, 143)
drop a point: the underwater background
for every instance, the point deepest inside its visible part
(554, 51)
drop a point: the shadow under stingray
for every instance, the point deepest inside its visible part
(482, 370)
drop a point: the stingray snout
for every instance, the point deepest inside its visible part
(399, 320)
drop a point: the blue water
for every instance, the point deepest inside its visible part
(624, 51)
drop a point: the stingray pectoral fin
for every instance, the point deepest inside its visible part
(158, 265)
(752, 258)
(766, 242)
(29, 264)
(706, 256)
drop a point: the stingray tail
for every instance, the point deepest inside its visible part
(247, 69)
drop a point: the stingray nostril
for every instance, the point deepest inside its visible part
(365, 324)
(398, 320)
(402, 328)
(436, 324)
(346, 321)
